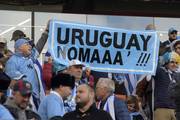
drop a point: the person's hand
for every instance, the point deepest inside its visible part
(47, 26)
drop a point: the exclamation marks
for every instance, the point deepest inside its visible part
(143, 59)
(147, 59)
(139, 59)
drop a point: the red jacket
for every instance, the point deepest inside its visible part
(47, 75)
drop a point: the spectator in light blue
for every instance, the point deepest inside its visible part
(52, 105)
(4, 83)
(24, 65)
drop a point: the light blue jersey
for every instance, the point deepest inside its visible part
(51, 106)
(18, 66)
(5, 114)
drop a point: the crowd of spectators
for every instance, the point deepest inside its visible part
(75, 92)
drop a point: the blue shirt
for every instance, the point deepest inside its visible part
(5, 114)
(52, 105)
(18, 66)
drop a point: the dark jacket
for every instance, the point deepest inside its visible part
(177, 96)
(91, 114)
(161, 94)
(120, 108)
(20, 114)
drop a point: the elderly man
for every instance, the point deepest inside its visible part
(22, 65)
(18, 104)
(52, 105)
(107, 101)
(86, 109)
(165, 77)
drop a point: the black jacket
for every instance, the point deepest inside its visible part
(91, 114)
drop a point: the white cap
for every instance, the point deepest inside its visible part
(76, 62)
(3, 40)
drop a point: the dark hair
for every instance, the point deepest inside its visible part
(176, 43)
(135, 100)
(63, 79)
(4, 81)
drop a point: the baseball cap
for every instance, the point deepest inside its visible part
(17, 34)
(20, 42)
(24, 87)
(3, 40)
(76, 63)
(172, 30)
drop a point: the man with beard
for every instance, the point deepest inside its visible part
(86, 108)
(18, 105)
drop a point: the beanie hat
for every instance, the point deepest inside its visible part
(47, 55)
(62, 79)
(168, 57)
(172, 30)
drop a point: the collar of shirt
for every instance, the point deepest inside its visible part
(91, 109)
(54, 92)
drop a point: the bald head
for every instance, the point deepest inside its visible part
(84, 96)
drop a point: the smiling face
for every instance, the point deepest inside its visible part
(25, 49)
(21, 101)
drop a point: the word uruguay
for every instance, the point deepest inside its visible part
(100, 40)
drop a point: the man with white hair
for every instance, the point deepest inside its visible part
(117, 108)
